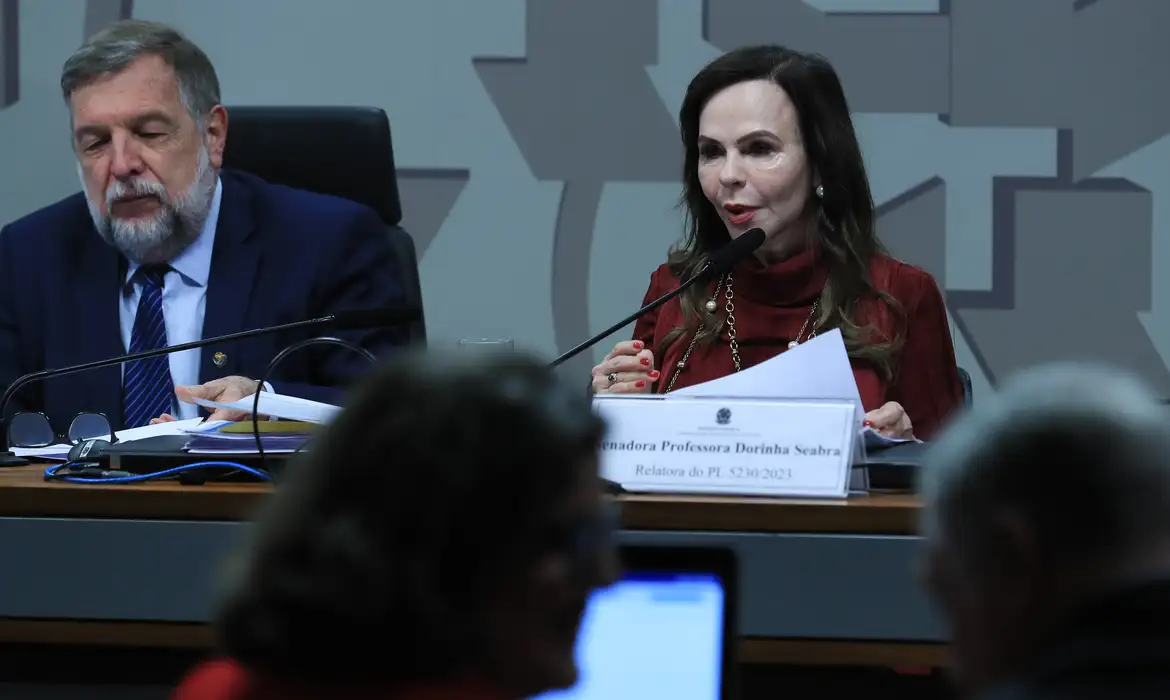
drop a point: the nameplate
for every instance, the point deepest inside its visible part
(757, 447)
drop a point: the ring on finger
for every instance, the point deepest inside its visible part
(612, 377)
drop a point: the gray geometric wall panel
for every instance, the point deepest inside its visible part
(1071, 274)
(428, 196)
(99, 13)
(583, 111)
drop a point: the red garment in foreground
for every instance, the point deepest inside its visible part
(224, 679)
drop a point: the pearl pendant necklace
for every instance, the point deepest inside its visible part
(711, 305)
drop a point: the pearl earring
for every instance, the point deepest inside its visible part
(820, 191)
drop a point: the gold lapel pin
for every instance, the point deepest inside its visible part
(219, 359)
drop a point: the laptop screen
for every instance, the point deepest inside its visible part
(653, 634)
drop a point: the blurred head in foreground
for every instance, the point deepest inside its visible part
(447, 527)
(1048, 496)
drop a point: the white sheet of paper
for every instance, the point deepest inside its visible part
(817, 369)
(178, 427)
(280, 406)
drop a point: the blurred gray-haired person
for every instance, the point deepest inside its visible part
(1047, 521)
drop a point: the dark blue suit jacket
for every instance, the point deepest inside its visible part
(280, 255)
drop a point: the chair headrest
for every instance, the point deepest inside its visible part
(341, 151)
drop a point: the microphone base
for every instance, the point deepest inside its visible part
(7, 459)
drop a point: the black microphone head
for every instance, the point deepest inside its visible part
(382, 317)
(739, 248)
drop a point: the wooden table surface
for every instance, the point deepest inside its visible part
(25, 493)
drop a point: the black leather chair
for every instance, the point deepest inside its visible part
(340, 151)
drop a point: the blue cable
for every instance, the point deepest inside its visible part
(51, 473)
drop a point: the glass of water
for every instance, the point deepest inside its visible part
(487, 344)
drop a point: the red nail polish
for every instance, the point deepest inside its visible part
(654, 374)
(641, 383)
(639, 344)
(646, 361)
(868, 424)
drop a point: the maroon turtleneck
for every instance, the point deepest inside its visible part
(772, 303)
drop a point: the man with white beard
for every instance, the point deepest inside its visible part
(163, 247)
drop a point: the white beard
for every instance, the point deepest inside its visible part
(170, 230)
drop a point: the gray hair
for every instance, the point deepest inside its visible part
(1080, 452)
(115, 47)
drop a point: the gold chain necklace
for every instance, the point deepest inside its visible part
(713, 304)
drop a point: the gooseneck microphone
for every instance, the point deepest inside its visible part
(347, 320)
(717, 264)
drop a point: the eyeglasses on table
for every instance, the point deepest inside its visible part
(31, 429)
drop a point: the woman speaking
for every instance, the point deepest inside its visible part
(770, 144)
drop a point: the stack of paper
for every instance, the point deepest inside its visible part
(817, 369)
(226, 437)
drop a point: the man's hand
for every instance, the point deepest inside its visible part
(223, 390)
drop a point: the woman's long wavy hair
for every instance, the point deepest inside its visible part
(844, 215)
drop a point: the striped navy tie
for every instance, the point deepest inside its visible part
(147, 387)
